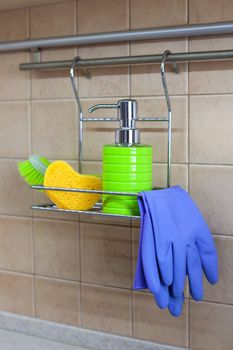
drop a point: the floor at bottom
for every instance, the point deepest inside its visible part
(17, 341)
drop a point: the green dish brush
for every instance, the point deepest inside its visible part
(33, 169)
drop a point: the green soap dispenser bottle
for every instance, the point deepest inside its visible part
(127, 164)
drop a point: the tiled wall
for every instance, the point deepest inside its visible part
(79, 270)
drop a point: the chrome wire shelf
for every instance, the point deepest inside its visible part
(95, 210)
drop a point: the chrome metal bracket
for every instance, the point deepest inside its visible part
(36, 55)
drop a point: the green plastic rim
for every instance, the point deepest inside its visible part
(127, 168)
(130, 177)
(140, 150)
(127, 186)
(119, 200)
(134, 159)
(122, 211)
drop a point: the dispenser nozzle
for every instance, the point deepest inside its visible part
(102, 105)
(127, 134)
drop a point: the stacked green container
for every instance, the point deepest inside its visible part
(125, 169)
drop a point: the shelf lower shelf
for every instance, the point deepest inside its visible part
(96, 210)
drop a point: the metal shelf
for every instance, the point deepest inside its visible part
(97, 209)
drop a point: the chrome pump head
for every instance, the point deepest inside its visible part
(127, 134)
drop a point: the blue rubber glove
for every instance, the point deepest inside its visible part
(182, 241)
(147, 272)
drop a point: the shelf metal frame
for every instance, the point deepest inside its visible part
(97, 209)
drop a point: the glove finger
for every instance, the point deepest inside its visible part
(179, 254)
(149, 260)
(175, 305)
(161, 221)
(165, 262)
(162, 298)
(208, 255)
(194, 270)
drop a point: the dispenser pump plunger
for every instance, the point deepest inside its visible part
(127, 134)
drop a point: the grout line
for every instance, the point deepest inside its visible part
(147, 96)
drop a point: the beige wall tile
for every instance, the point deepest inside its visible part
(53, 20)
(95, 219)
(106, 254)
(14, 25)
(155, 13)
(104, 50)
(105, 82)
(106, 309)
(146, 80)
(47, 21)
(210, 326)
(153, 47)
(117, 18)
(53, 83)
(16, 293)
(204, 43)
(211, 123)
(211, 188)
(14, 84)
(102, 16)
(14, 131)
(151, 323)
(204, 11)
(57, 301)
(223, 291)
(179, 175)
(57, 248)
(54, 129)
(16, 244)
(155, 134)
(211, 77)
(16, 197)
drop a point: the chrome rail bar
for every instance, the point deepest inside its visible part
(218, 28)
(124, 60)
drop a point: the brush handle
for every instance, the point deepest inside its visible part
(37, 164)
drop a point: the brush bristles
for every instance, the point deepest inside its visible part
(30, 175)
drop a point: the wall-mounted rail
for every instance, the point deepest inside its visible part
(218, 28)
(142, 59)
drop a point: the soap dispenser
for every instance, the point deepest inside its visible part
(127, 164)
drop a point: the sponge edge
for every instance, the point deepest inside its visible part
(61, 174)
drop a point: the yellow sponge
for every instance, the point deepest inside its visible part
(61, 174)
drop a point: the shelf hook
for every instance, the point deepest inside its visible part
(80, 111)
(163, 76)
(75, 85)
